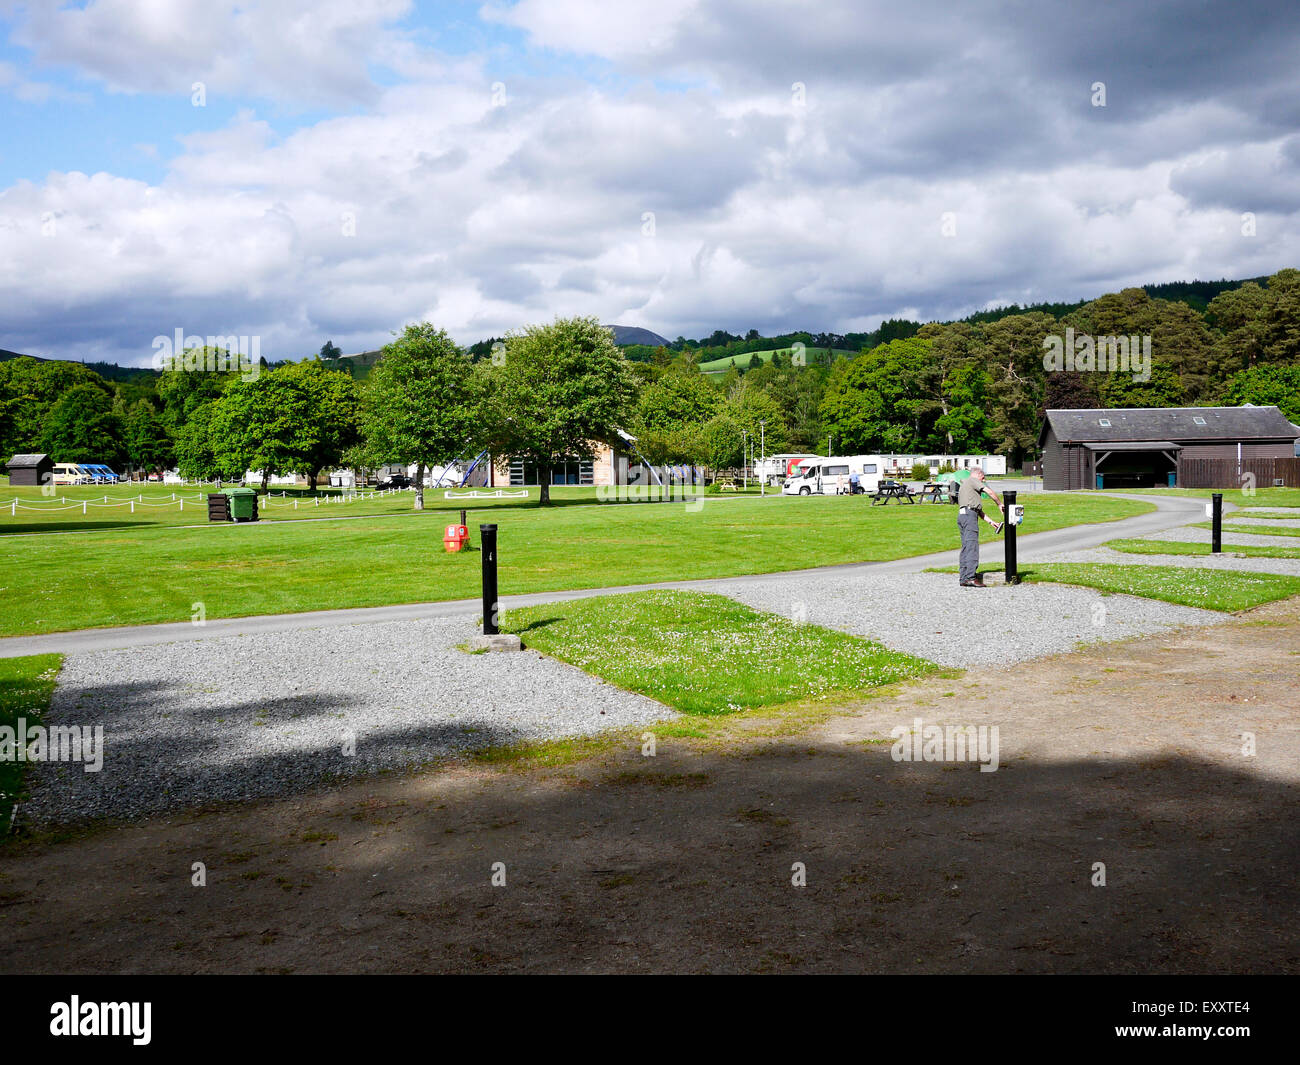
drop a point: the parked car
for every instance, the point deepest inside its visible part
(397, 480)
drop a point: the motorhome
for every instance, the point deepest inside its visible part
(833, 475)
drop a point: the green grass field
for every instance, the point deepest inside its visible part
(720, 366)
(1178, 547)
(1262, 497)
(1253, 530)
(126, 576)
(110, 506)
(1223, 590)
(26, 685)
(707, 654)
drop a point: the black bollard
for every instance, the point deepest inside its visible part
(1216, 547)
(1009, 538)
(488, 541)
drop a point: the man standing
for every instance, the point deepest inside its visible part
(970, 508)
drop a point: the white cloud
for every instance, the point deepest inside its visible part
(301, 51)
(434, 203)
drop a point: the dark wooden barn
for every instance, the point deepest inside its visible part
(1187, 447)
(34, 470)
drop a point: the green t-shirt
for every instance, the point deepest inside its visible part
(970, 496)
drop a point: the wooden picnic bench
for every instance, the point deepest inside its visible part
(887, 490)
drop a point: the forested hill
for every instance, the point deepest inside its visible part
(1196, 294)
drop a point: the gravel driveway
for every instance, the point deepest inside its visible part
(1204, 536)
(247, 717)
(1287, 566)
(929, 615)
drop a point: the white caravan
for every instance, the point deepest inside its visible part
(775, 469)
(832, 476)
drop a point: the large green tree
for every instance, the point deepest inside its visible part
(560, 389)
(421, 404)
(875, 401)
(1266, 386)
(333, 415)
(81, 427)
(149, 446)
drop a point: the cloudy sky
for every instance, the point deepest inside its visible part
(305, 170)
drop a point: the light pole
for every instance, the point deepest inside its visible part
(744, 457)
(762, 445)
(829, 450)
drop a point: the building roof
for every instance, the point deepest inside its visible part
(1133, 445)
(20, 461)
(1169, 424)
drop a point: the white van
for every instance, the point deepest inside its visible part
(833, 476)
(70, 473)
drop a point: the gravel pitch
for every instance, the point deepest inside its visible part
(247, 717)
(1289, 567)
(1237, 519)
(1204, 536)
(929, 615)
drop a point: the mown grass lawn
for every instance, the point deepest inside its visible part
(141, 506)
(26, 685)
(1261, 497)
(1179, 547)
(1224, 590)
(1253, 530)
(126, 576)
(707, 654)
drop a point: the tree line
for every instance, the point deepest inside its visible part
(972, 386)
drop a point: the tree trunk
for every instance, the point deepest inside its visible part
(544, 483)
(311, 481)
(419, 487)
(266, 481)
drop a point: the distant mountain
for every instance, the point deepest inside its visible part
(631, 334)
(17, 355)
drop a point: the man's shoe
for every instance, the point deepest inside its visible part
(973, 584)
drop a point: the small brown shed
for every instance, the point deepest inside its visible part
(1187, 447)
(32, 470)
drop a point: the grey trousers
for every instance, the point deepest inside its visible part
(969, 525)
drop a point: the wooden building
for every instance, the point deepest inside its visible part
(31, 470)
(1187, 447)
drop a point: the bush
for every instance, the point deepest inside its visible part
(920, 471)
(947, 467)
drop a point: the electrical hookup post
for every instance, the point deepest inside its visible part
(1012, 514)
(487, 535)
(493, 639)
(1214, 511)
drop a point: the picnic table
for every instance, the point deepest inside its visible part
(934, 491)
(888, 490)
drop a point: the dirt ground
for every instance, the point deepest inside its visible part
(1129, 754)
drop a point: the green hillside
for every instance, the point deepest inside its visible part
(720, 366)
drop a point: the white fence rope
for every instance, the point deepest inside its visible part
(14, 505)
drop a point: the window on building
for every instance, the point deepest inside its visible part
(1199, 421)
(566, 470)
(1104, 422)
